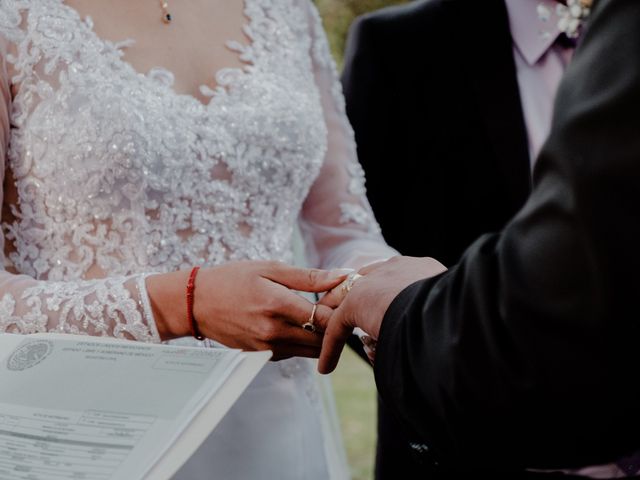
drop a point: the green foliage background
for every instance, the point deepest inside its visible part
(353, 381)
(338, 15)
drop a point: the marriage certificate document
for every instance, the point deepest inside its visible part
(91, 409)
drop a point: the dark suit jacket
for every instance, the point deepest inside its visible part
(525, 353)
(432, 94)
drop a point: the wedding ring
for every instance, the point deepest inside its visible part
(309, 326)
(347, 285)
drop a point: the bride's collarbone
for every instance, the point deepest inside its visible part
(193, 47)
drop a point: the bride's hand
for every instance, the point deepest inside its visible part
(248, 305)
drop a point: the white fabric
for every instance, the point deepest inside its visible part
(112, 175)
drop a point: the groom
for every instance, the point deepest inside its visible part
(525, 353)
(463, 119)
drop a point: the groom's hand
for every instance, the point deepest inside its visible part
(367, 302)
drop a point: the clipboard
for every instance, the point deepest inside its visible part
(202, 424)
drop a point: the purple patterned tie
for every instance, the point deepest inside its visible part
(630, 465)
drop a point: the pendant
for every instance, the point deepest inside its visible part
(166, 16)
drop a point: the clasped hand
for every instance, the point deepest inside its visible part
(254, 305)
(366, 302)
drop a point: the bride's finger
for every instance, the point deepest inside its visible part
(296, 309)
(304, 279)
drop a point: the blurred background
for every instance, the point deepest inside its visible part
(353, 381)
(339, 14)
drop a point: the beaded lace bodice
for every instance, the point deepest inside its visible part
(111, 175)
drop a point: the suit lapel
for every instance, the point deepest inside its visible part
(490, 68)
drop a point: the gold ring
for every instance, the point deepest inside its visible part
(309, 326)
(349, 282)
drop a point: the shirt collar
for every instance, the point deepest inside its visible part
(532, 36)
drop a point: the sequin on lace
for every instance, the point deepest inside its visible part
(116, 172)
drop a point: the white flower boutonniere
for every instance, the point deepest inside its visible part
(570, 16)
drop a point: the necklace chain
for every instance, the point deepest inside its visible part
(166, 15)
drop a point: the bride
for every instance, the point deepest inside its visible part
(142, 139)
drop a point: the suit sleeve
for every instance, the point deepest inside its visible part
(526, 353)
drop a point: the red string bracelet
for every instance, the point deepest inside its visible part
(191, 288)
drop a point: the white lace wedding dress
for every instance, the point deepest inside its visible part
(110, 176)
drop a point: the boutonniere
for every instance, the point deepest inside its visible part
(570, 16)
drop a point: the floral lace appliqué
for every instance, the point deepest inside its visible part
(103, 308)
(117, 173)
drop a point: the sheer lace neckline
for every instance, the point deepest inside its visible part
(223, 76)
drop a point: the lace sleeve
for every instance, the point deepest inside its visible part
(116, 307)
(337, 222)
(112, 307)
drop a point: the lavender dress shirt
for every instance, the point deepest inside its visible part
(540, 64)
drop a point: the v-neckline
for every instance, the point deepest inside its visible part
(219, 90)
